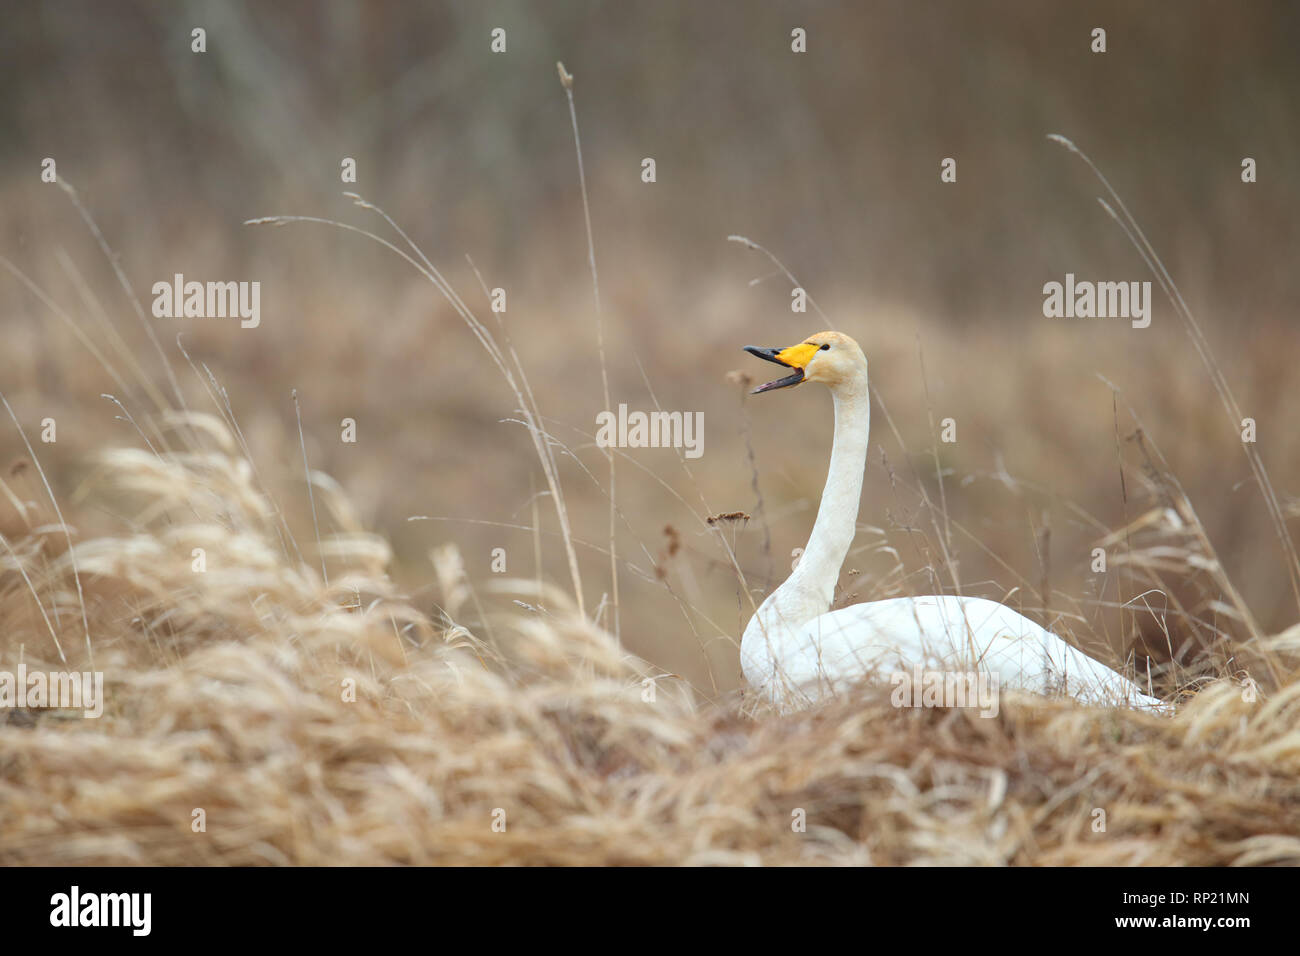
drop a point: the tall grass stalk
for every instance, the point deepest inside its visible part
(566, 80)
(516, 379)
(1133, 231)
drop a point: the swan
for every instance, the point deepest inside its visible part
(796, 652)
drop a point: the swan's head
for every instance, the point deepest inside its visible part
(831, 358)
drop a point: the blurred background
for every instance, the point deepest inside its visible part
(829, 158)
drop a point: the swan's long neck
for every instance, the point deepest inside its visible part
(837, 517)
(809, 590)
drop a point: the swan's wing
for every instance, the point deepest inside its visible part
(943, 633)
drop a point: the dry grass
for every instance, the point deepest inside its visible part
(226, 694)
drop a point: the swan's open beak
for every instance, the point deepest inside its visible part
(795, 357)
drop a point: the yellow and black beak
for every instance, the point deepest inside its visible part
(795, 357)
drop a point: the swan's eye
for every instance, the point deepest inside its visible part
(824, 348)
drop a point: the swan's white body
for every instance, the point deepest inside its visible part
(796, 651)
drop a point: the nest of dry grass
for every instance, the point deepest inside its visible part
(301, 722)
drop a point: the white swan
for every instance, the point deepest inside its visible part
(796, 651)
